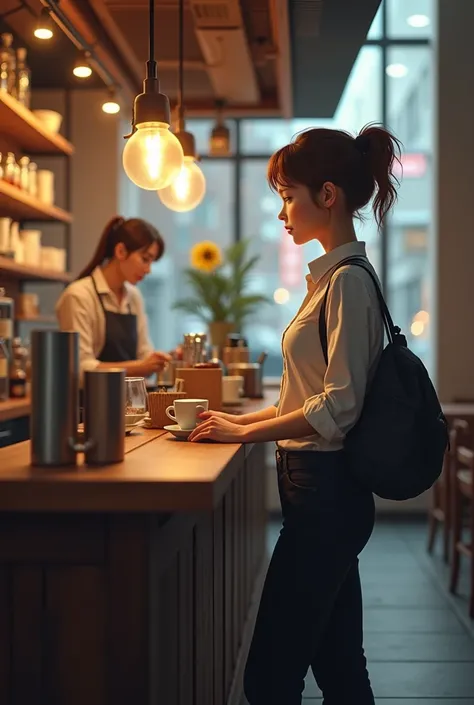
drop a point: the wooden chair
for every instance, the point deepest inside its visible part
(440, 510)
(462, 494)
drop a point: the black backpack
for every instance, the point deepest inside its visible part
(397, 446)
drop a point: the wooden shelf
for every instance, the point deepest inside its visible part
(19, 205)
(29, 132)
(14, 409)
(40, 318)
(11, 269)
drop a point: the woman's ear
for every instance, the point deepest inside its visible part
(120, 252)
(327, 195)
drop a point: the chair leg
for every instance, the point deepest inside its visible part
(432, 521)
(471, 560)
(456, 537)
(447, 521)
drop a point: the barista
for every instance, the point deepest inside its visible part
(104, 305)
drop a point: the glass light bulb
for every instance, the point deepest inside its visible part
(152, 157)
(187, 190)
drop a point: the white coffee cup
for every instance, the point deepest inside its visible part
(185, 412)
(232, 388)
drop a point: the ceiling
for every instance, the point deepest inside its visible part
(263, 57)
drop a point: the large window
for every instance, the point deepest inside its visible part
(409, 114)
(212, 220)
(391, 83)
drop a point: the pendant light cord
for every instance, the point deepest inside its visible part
(181, 64)
(151, 43)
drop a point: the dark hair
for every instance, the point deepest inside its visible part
(360, 166)
(135, 233)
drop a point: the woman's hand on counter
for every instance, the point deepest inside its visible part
(217, 428)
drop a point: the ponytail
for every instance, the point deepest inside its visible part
(135, 234)
(103, 248)
(382, 150)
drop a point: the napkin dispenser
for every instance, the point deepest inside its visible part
(203, 383)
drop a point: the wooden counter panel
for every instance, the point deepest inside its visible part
(153, 613)
(39, 538)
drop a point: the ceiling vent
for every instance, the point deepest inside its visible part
(221, 35)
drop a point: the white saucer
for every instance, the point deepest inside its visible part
(179, 433)
(132, 426)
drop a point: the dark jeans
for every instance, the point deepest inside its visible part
(310, 613)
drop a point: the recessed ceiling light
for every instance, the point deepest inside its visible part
(418, 21)
(396, 70)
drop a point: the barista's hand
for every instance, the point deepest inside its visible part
(155, 362)
(216, 428)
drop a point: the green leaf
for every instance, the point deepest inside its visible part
(193, 307)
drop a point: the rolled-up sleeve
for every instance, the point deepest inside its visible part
(335, 411)
(74, 315)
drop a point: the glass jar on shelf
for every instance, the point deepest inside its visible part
(7, 64)
(9, 168)
(4, 389)
(33, 179)
(16, 173)
(24, 163)
(23, 78)
(18, 370)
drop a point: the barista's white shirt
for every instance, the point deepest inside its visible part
(79, 309)
(331, 397)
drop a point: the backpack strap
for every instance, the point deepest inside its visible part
(393, 332)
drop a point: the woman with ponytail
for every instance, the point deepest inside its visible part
(310, 614)
(104, 306)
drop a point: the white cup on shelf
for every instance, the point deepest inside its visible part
(45, 185)
(31, 247)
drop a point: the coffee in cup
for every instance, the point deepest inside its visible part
(185, 412)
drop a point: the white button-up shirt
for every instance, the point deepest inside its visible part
(78, 309)
(331, 396)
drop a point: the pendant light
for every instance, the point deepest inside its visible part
(111, 106)
(219, 140)
(82, 67)
(187, 190)
(152, 156)
(44, 25)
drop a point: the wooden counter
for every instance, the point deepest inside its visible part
(134, 583)
(14, 409)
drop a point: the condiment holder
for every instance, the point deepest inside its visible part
(158, 402)
(203, 383)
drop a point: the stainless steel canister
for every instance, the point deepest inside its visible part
(104, 416)
(252, 372)
(54, 396)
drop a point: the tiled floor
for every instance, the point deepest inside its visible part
(419, 640)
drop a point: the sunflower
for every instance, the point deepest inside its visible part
(206, 256)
